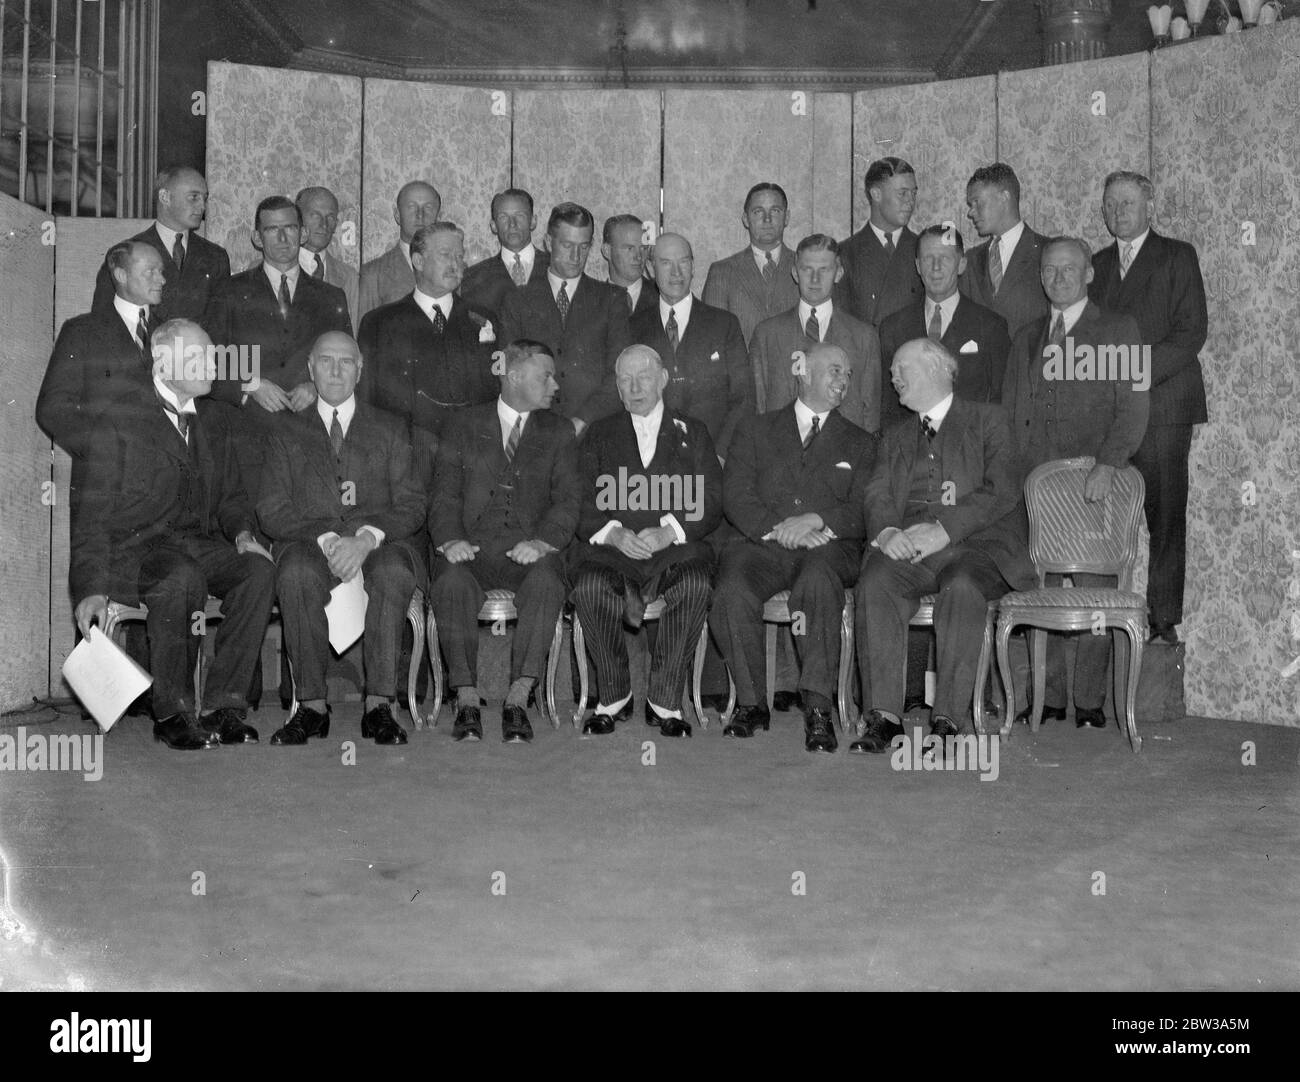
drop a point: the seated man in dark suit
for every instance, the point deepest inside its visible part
(817, 318)
(623, 244)
(581, 320)
(341, 499)
(793, 486)
(191, 264)
(508, 497)
(276, 312)
(880, 258)
(1054, 415)
(163, 522)
(701, 347)
(516, 264)
(652, 493)
(944, 516)
(976, 335)
(429, 354)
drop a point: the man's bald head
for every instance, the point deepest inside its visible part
(823, 377)
(641, 378)
(673, 263)
(335, 366)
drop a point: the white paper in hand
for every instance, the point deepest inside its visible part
(104, 678)
(346, 612)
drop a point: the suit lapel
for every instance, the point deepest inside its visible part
(1144, 264)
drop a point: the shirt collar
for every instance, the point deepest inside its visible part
(1136, 242)
(168, 236)
(346, 408)
(947, 307)
(896, 234)
(427, 303)
(526, 256)
(273, 276)
(168, 395)
(760, 255)
(939, 411)
(307, 260)
(1008, 241)
(824, 311)
(634, 290)
(508, 414)
(405, 245)
(649, 424)
(1070, 314)
(682, 308)
(555, 280)
(129, 312)
(804, 415)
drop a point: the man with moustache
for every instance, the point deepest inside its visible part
(429, 354)
(341, 498)
(628, 555)
(191, 264)
(701, 347)
(508, 496)
(818, 318)
(582, 321)
(1157, 281)
(391, 276)
(755, 283)
(162, 521)
(624, 248)
(516, 264)
(879, 259)
(320, 218)
(793, 486)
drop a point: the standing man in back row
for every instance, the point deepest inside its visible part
(880, 258)
(320, 218)
(487, 282)
(390, 277)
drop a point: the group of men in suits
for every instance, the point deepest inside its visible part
(513, 415)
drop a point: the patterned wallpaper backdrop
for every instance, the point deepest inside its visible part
(599, 148)
(273, 132)
(456, 138)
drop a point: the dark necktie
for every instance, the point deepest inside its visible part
(671, 328)
(769, 268)
(812, 432)
(439, 320)
(812, 328)
(336, 435)
(927, 426)
(512, 440)
(1057, 335)
(995, 263)
(562, 302)
(318, 271)
(285, 300)
(178, 250)
(182, 420)
(142, 330)
(889, 245)
(631, 303)
(935, 329)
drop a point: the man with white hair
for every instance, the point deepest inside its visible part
(944, 516)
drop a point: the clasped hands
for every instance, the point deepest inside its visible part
(523, 553)
(273, 398)
(345, 555)
(643, 545)
(799, 532)
(915, 543)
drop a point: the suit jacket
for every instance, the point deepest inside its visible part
(768, 478)
(988, 511)
(185, 292)
(487, 282)
(585, 346)
(244, 311)
(1020, 298)
(876, 284)
(1164, 292)
(709, 376)
(777, 338)
(338, 273)
(647, 299)
(1064, 418)
(301, 495)
(736, 284)
(543, 484)
(95, 361)
(684, 452)
(135, 478)
(384, 279)
(979, 372)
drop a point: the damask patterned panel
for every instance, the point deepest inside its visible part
(599, 148)
(945, 130)
(833, 164)
(1096, 116)
(1224, 146)
(456, 138)
(717, 145)
(273, 132)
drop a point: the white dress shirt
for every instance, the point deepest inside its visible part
(307, 261)
(947, 308)
(894, 235)
(405, 245)
(555, 280)
(168, 236)
(130, 313)
(1071, 315)
(507, 415)
(347, 410)
(527, 254)
(634, 291)
(647, 439)
(273, 276)
(760, 256)
(804, 416)
(823, 311)
(168, 395)
(1136, 244)
(683, 310)
(1007, 243)
(939, 411)
(428, 304)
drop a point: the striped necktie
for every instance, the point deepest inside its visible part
(285, 300)
(995, 263)
(935, 330)
(517, 272)
(812, 328)
(178, 250)
(1125, 259)
(318, 271)
(812, 432)
(142, 330)
(336, 435)
(769, 268)
(512, 440)
(562, 302)
(671, 328)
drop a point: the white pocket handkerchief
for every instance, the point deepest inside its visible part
(716, 356)
(970, 347)
(843, 466)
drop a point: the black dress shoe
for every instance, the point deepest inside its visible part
(879, 733)
(515, 726)
(747, 720)
(304, 723)
(469, 725)
(785, 700)
(674, 727)
(1050, 713)
(181, 733)
(1094, 718)
(379, 724)
(230, 727)
(598, 725)
(818, 731)
(942, 726)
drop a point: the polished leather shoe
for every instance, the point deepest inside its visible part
(230, 727)
(181, 733)
(378, 724)
(747, 720)
(468, 725)
(785, 700)
(1093, 718)
(1050, 713)
(515, 726)
(598, 725)
(674, 727)
(879, 733)
(818, 731)
(303, 724)
(942, 726)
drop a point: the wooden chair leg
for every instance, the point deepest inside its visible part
(697, 677)
(846, 666)
(771, 665)
(1133, 637)
(1004, 669)
(1039, 663)
(435, 666)
(552, 664)
(415, 616)
(982, 674)
(580, 654)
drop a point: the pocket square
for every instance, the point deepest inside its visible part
(843, 466)
(716, 356)
(970, 347)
